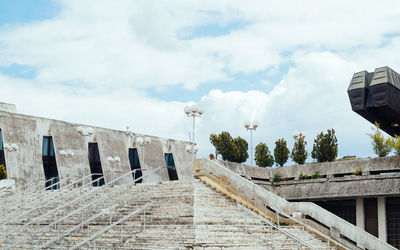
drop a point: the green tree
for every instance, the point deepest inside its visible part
(230, 149)
(240, 147)
(325, 146)
(299, 152)
(395, 143)
(262, 156)
(281, 152)
(380, 145)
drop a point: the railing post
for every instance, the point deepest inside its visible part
(144, 219)
(277, 216)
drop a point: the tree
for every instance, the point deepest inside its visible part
(230, 149)
(325, 146)
(380, 145)
(281, 152)
(299, 152)
(262, 156)
(240, 147)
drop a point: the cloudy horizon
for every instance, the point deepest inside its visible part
(129, 63)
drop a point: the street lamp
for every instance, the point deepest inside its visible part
(113, 160)
(193, 111)
(251, 127)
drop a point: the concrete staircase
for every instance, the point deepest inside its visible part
(184, 214)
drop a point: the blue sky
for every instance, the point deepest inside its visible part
(132, 63)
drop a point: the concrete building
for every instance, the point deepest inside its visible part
(364, 192)
(36, 148)
(94, 172)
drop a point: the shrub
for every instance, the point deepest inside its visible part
(262, 156)
(277, 177)
(303, 176)
(325, 147)
(380, 145)
(316, 175)
(3, 173)
(395, 143)
(281, 152)
(358, 171)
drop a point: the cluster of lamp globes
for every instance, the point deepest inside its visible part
(85, 131)
(113, 159)
(143, 141)
(248, 125)
(67, 153)
(189, 148)
(12, 147)
(193, 110)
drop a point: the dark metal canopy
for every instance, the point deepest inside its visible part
(376, 97)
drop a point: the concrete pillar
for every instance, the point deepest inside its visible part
(382, 219)
(360, 214)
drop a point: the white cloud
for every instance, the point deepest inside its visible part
(97, 59)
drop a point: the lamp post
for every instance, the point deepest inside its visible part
(251, 127)
(143, 143)
(113, 160)
(193, 111)
(193, 150)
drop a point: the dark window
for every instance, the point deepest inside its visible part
(345, 209)
(135, 164)
(50, 164)
(393, 221)
(95, 165)
(2, 157)
(371, 216)
(169, 161)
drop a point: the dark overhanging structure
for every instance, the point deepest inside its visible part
(376, 97)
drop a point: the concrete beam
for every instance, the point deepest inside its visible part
(382, 231)
(360, 213)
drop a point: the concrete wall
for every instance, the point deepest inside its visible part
(26, 133)
(380, 176)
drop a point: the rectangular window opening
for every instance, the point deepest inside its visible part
(50, 164)
(135, 165)
(169, 161)
(95, 165)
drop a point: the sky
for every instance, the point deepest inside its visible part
(138, 63)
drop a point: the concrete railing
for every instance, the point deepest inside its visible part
(368, 166)
(262, 198)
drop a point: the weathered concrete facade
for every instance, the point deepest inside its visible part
(365, 185)
(23, 140)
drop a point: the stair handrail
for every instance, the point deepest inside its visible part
(93, 217)
(105, 229)
(84, 195)
(6, 200)
(304, 225)
(49, 201)
(276, 227)
(261, 196)
(104, 196)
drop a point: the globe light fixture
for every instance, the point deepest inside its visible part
(193, 112)
(251, 126)
(143, 142)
